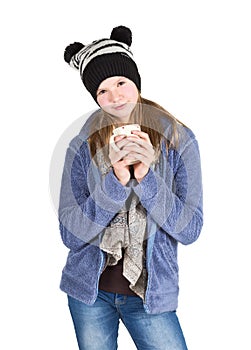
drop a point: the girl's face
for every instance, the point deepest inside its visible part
(118, 96)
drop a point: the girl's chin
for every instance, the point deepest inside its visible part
(121, 116)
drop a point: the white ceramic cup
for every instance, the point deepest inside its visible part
(126, 129)
(123, 130)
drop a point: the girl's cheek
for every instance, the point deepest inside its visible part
(101, 101)
(130, 93)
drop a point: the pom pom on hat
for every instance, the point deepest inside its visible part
(72, 50)
(122, 34)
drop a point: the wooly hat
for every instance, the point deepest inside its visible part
(104, 58)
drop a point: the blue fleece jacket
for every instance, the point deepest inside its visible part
(171, 193)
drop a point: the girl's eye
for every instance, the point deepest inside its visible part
(101, 92)
(120, 83)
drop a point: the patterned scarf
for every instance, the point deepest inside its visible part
(126, 232)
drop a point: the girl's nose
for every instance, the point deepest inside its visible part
(115, 96)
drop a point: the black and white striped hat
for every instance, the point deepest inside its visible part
(104, 58)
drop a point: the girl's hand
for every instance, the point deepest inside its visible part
(140, 148)
(119, 161)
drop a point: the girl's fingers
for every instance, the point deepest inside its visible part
(142, 138)
(136, 146)
(141, 134)
(140, 146)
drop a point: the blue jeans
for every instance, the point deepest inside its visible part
(96, 325)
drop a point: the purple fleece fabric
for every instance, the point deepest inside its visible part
(171, 193)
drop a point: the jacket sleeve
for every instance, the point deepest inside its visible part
(87, 202)
(174, 199)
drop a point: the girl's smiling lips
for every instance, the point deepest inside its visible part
(118, 107)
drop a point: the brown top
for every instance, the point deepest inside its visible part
(113, 281)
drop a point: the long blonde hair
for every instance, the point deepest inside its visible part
(148, 114)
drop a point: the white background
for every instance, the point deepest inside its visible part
(194, 59)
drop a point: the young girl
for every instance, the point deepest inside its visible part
(126, 202)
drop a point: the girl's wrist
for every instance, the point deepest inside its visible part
(123, 180)
(139, 179)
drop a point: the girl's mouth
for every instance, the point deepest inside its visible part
(119, 107)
